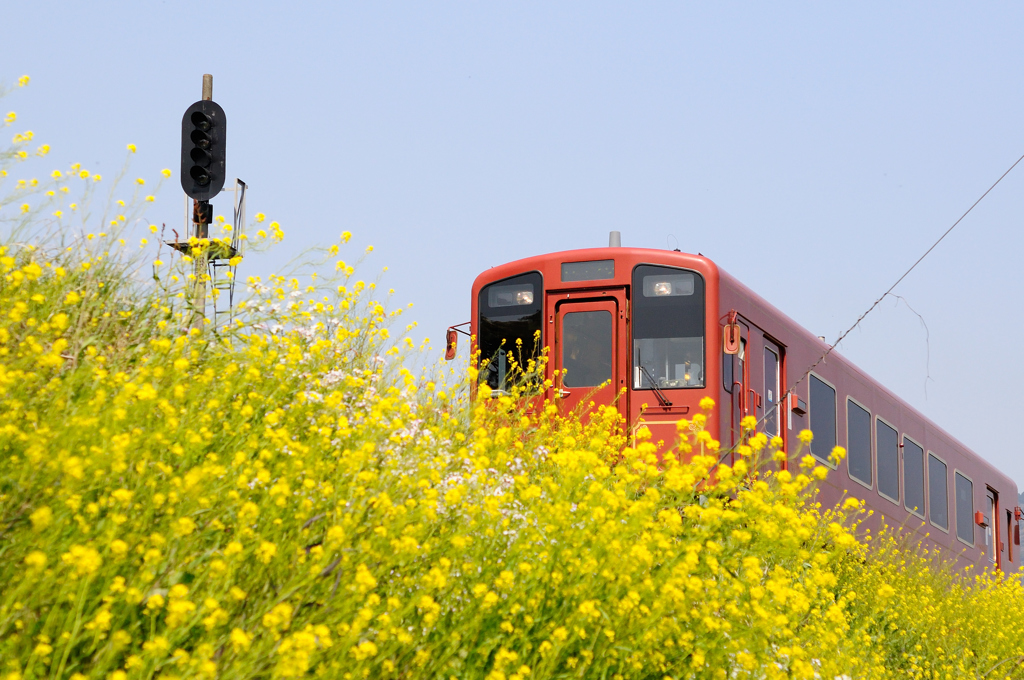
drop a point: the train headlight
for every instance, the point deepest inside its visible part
(512, 295)
(663, 288)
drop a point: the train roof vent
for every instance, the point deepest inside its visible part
(614, 239)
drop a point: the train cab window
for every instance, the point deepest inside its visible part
(938, 500)
(887, 458)
(913, 477)
(668, 328)
(823, 419)
(510, 327)
(964, 490)
(587, 348)
(858, 442)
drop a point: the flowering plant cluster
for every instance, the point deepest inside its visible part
(281, 498)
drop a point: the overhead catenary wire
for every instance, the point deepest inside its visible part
(870, 309)
(902, 276)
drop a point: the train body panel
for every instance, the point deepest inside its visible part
(649, 324)
(882, 485)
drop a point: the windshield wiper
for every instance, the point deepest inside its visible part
(654, 385)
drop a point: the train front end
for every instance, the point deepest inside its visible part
(632, 328)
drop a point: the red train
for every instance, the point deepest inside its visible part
(671, 328)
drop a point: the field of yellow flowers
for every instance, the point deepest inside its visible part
(280, 498)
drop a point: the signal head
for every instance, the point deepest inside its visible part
(203, 158)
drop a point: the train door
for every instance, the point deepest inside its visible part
(772, 375)
(753, 393)
(765, 378)
(992, 530)
(734, 382)
(587, 349)
(1009, 536)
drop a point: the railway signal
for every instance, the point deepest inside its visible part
(203, 141)
(203, 156)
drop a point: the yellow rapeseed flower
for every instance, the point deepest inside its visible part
(41, 518)
(266, 552)
(240, 640)
(184, 526)
(83, 559)
(35, 560)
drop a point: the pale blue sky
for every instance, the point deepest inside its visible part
(813, 150)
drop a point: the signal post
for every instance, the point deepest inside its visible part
(203, 159)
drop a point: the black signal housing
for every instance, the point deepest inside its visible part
(203, 142)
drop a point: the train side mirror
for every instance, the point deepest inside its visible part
(451, 344)
(731, 338)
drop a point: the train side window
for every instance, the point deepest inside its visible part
(964, 489)
(938, 499)
(858, 442)
(887, 455)
(823, 419)
(913, 477)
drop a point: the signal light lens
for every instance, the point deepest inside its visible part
(524, 297)
(663, 288)
(200, 139)
(199, 174)
(201, 120)
(200, 157)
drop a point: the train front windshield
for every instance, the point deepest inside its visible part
(668, 328)
(510, 325)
